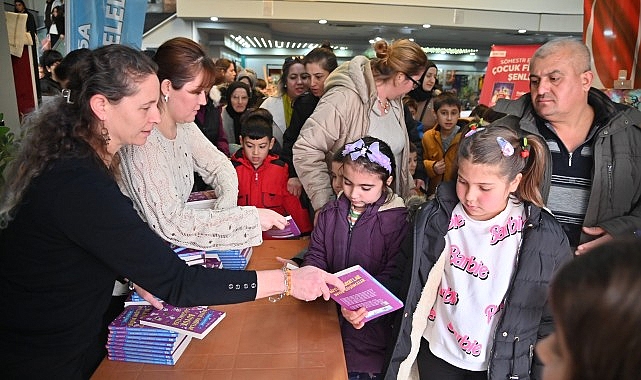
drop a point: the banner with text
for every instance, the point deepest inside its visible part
(508, 73)
(95, 23)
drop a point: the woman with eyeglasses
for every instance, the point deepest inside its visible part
(294, 82)
(423, 95)
(362, 97)
(319, 63)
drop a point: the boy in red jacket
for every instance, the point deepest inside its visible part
(262, 176)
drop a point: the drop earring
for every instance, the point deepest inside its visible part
(104, 133)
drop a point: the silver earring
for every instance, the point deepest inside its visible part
(165, 98)
(104, 133)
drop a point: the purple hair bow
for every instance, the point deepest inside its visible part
(371, 152)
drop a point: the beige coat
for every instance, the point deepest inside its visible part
(342, 116)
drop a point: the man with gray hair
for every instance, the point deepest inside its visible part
(593, 186)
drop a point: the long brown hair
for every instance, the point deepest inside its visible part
(529, 158)
(595, 303)
(66, 126)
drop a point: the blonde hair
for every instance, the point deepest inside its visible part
(402, 56)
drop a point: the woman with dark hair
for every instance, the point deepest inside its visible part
(423, 96)
(158, 176)
(319, 63)
(362, 98)
(67, 232)
(293, 82)
(596, 309)
(238, 96)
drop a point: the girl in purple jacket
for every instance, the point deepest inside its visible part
(365, 225)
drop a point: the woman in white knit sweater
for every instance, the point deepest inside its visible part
(158, 176)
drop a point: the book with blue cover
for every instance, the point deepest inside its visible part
(134, 354)
(363, 290)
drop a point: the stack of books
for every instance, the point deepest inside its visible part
(131, 341)
(233, 258)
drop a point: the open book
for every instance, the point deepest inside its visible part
(363, 290)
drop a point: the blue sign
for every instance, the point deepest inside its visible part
(95, 23)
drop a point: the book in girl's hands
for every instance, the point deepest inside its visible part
(201, 199)
(195, 321)
(363, 290)
(291, 230)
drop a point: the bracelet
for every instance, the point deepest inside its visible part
(287, 277)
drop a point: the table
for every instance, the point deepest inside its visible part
(290, 339)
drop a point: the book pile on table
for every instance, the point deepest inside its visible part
(131, 341)
(233, 258)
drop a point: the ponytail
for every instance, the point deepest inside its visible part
(530, 187)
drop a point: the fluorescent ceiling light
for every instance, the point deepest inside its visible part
(213, 18)
(322, 21)
(427, 26)
(522, 31)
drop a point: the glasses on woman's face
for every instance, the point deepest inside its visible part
(415, 83)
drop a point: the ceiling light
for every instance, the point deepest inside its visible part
(213, 18)
(522, 31)
(427, 26)
(371, 41)
(322, 21)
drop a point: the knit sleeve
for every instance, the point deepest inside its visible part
(158, 177)
(213, 166)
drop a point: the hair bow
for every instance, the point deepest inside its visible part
(371, 152)
(506, 148)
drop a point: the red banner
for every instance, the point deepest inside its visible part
(508, 73)
(611, 31)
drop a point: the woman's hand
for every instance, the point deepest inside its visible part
(309, 283)
(148, 297)
(355, 317)
(271, 219)
(294, 187)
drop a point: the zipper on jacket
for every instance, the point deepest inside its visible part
(610, 166)
(512, 375)
(570, 159)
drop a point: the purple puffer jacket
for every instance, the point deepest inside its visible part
(373, 243)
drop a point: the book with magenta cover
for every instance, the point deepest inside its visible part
(195, 321)
(363, 290)
(128, 323)
(201, 199)
(291, 230)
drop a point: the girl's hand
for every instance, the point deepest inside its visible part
(148, 297)
(355, 317)
(271, 219)
(309, 283)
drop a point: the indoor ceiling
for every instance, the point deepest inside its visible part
(356, 36)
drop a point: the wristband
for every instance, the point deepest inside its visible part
(287, 278)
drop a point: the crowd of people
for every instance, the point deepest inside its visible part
(508, 235)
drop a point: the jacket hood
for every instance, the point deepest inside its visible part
(355, 75)
(215, 95)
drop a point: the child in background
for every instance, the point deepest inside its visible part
(485, 251)
(262, 177)
(412, 106)
(364, 226)
(440, 144)
(420, 183)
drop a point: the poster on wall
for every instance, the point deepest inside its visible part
(95, 23)
(612, 32)
(508, 73)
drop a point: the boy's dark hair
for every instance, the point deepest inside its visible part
(49, 57)
(256, 124)
(446, 99)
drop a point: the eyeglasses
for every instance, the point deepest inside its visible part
(415, 83)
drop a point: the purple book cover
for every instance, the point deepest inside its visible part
(201, 195)
(363, 290)
(291, 230)
(169, 359)
(128, 322)
(195, 321)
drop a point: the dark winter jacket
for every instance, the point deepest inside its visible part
(615, 196)
(373, 243)
(526, 318)
(303, 108)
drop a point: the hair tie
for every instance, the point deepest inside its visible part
(371, 152)
(473, 129)
(506, 148)
(525, 148)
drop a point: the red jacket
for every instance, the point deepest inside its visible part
(266, 187)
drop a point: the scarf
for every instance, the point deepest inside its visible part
(287, 108)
